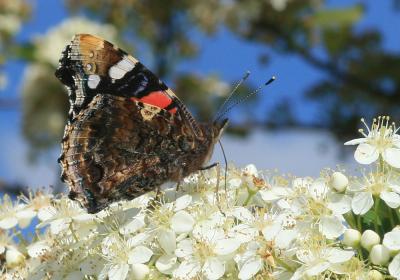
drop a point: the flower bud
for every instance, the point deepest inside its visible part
(369, 238)
(379, 255)
(375, 275)
(14, 258)
(339, 181)
(351, 237)
(139, 271)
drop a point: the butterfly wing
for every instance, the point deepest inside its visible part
(90, 65)
(127, 131)
(110, 152)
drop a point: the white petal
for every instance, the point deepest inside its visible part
(167, 240)
(166, 264)
(305, 256)
(270, 231)
(273, 193)
(250, 268)
(394, 267)
(285, 238)
(392, 240)
(92, 265)
(226, 246)
(392, 157)
(38, 248)
(366, 154)
(183, 202)
(75, 275)
(392, 199)
(242, 214)
(339, 203)
(188, 269)
(356, 141)
(213, 268)
(139, 271)
(182, 221)
(118, 272)
(140, 254)
(46, 213)
(334, 255)
(138, 239)
(318, 189)
(8, 222)
(317, 268)
(184, 248)
(234, 183)
(59, 225)
(361, 203)
(25, 217)
(132, 226)
(243, 233)
(331, 227)
(251, 169)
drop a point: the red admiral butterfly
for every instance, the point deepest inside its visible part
(127, 132)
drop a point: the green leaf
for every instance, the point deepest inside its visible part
(337, 17)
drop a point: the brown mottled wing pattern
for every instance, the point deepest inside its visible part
(127, 132)
(110, 153)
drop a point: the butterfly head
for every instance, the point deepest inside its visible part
(218, 129)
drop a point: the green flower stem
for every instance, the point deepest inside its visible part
(397, 211)
(349, 217)
(249, 197)
(283, 264)
(376, 209)
(359, 223)
(73, 232)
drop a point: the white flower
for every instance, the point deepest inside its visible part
(374, 185)
(12, 215)
(381, 140)
(61, 217)
(394, 267)
(125, 257)
(392, 240)
(251, 261)
(317, 260)
(203, 254)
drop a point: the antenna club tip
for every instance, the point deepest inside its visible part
(273, 78)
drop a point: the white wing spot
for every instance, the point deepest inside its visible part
(119, 70)
(93, 81)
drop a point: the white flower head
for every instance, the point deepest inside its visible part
(380, 140)
(374, 184)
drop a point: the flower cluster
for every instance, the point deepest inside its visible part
(259, 225)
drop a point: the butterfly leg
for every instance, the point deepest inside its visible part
(210, 166)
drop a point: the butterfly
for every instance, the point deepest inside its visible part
(127, 133)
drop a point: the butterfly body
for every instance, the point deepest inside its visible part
(127, 132)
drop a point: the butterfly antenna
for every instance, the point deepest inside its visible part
(241, 81)
(273, 78)
(225, 160)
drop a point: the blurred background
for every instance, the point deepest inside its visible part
(335, 62)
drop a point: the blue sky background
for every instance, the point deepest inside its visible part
(229, 57)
